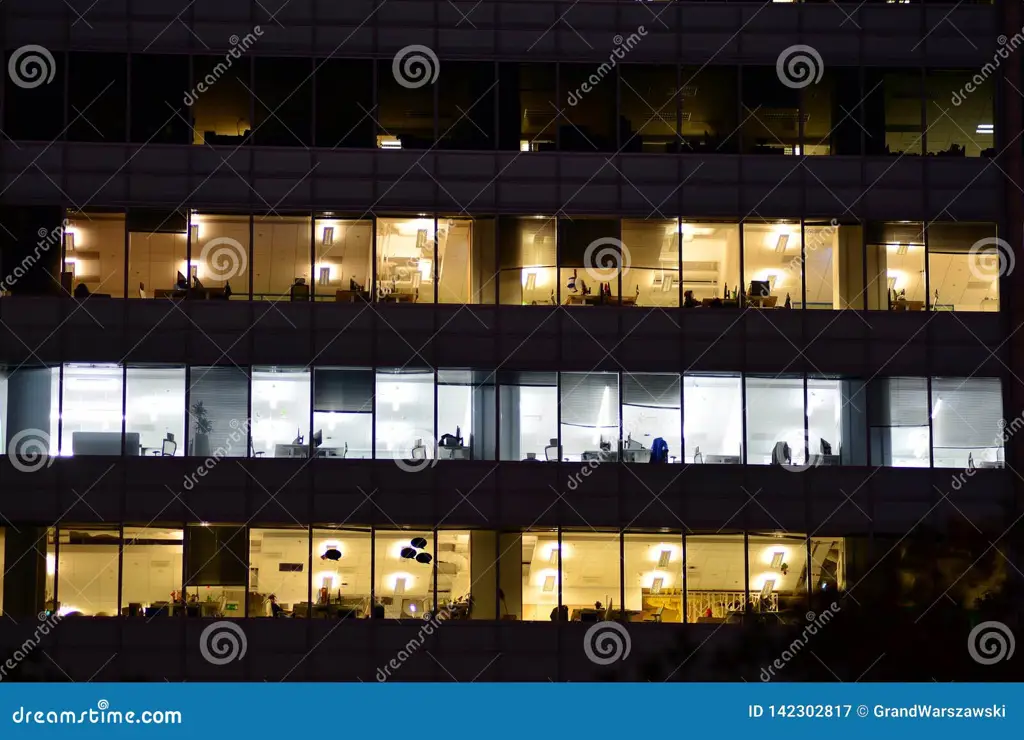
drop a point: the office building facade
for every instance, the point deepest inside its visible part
(520, 340)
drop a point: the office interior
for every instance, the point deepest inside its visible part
(452, 414)
(509, 106)
(227, 571)
(535, 260)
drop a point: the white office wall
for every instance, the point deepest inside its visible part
(280, 409)
(92, 403)
(405, 413)
(713, 415)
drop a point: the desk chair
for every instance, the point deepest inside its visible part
(553, 452)
(782, 455)
(656, 616)
(167, 447)
(299, 291)
(252, 450)
(419, 450)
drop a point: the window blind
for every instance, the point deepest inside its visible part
(657, 391)
(968, 412)
(582, 396)
(343, 390)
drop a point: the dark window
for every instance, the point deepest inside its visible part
(344, 103)
(527, 115)
(833, 110)
(221, 100)
(98, 97)
(892, 111)
(465, 106)
(405, 112)
(650, 106)
(34, 100)
(959, 116)
(771, 113)
(586, 118)
(284, 102)
(160, 98)
(709, 97)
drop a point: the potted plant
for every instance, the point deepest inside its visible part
(201, 428)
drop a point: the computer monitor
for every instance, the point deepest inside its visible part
(181, 282)
(826, 448)
(760, 289)
(197, 284)
(318, 438)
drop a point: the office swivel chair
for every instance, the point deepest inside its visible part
(252, 450)
(169, 446)
(782, 455)
(419, 450)
(553, 452)
(299, 290)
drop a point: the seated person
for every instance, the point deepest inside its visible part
(181, 283)
(276, 609)
(689, 301)
(81, 291)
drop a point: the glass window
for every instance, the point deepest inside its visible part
(465, 260)
(711, 262)
(278, 563)
(281, 255)
(651, 412)
(345, 120)
(716, 585)
(94, 252)
(3, 560)
(967, 423)
(465, 106)
(98, 97)
(587, 107)
(529, 416)
(965, 262)
(283, 101)
(87, 570)
(540, 572)
(151, 570)
(832, 110)
(34, 95)
(772, 262)
(218, 412)
(896, 265)
(527, 116)
(405, 415)
(52, 606)
(91, 412)
(159, 109)
(343, 412)
(341, 565)
(589, 404)
(404, 573)
(836, 422)
(280, 411)
(960, 114)
(590, 574)
(465, 415)
(405, 259)
(771, 113)
(775, 421)
(216, 570)
(155, 409)
(778, 577)
(343, 270)
(713, 419)
(454, 574)
(892, 112)
(648, 95)
(650, 275)
(710, 97)
(898, 414)
(833, 266)
(405, 105)
(653, 564)
(222, 112)
(828, 567)
(30, 402)
(590, 258)
(220, 256)
(527, 261)
(158, 254)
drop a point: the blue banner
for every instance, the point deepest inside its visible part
(488, 711)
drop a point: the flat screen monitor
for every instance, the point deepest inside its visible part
(318, 438)
(826, 448)
(760, 289)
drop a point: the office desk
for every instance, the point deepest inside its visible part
(453, 453)
(201, 294)
(768, 301)
(601, 455)
(301, 451)
(352, 296)
(820, 460)
(904, 305)
(642, 455)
